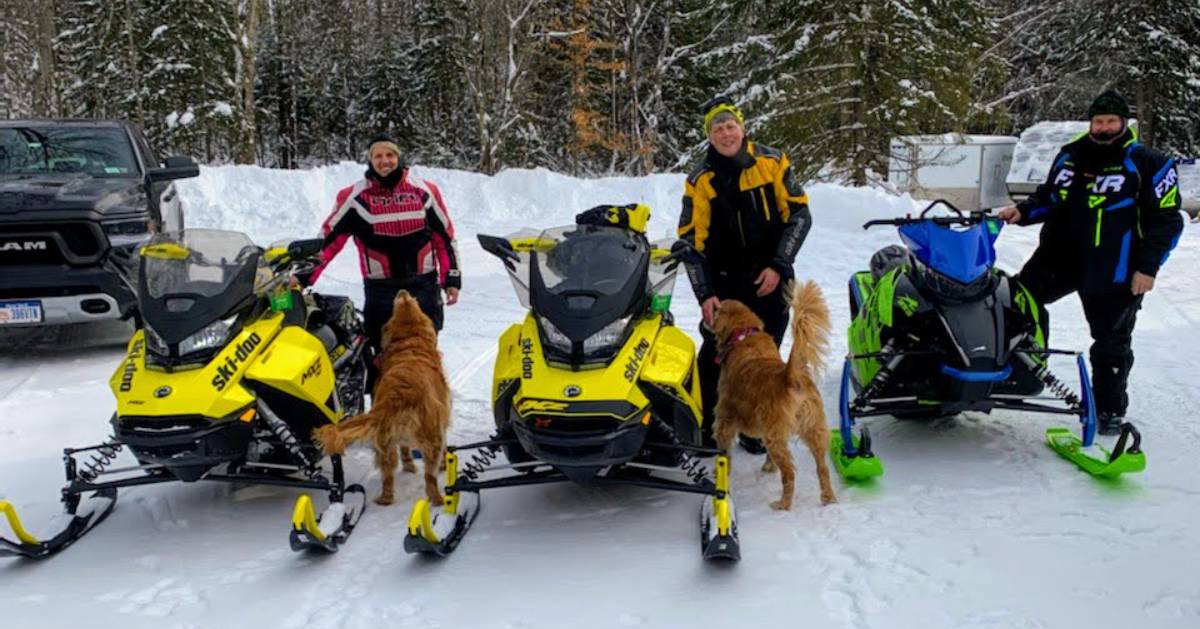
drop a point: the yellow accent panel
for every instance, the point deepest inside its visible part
(450, 505)
(721, 505)
(304, 518)
(165, 251)
(210, 390)
(14, 522)
(508, 360)
(674, 356)
(420, 522)
(535, 243)
(298, 365)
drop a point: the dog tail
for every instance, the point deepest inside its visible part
(333, 438)
(810, 331)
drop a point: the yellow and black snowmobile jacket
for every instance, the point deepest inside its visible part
(745, 214)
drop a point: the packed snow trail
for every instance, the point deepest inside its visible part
(976, 524)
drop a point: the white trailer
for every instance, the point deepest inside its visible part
(967, 170)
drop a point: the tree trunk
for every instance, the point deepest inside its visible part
(45, 102)
(249, 12)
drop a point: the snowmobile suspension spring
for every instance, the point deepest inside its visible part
(479, 462)
(691, 465)
(1057, 386)
(889, 361)
(103, 457)
(285, 435)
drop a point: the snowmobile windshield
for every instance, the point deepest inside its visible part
(187, 280)
(962, 253)
(586, 283)
(592, 259)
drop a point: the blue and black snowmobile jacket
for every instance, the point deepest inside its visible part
(1109, 210)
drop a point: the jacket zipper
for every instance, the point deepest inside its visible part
(741, 230)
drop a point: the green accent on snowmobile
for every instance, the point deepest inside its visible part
(660, 303)
(281, 300)
(907, 304)
(855, 468)
(876, 312)
(1069, 446)
(1025, 302)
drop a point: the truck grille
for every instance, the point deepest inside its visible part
(50, 243)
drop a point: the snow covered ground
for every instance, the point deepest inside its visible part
(976, 524)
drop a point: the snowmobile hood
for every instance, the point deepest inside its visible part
(962, 254)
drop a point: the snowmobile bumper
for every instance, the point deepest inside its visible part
(75, 523)
(186, 446)
(582, 454)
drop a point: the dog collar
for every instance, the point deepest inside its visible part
(738, 336)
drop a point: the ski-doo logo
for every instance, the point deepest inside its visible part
(25, 245)
(227, 370)
(130, 369)
(313, 371)
(635, 361)
(1108, 183)
(526, 359)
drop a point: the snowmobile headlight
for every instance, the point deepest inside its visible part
(608, 336)
(154, 343)
(554, 337)
(212, 335)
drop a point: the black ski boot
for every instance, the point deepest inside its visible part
(1109, 424)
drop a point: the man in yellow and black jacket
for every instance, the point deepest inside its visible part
(745, 212)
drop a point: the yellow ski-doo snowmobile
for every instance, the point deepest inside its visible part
(225, 378)
(595, 386)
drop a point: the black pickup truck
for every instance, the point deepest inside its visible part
(71, 190)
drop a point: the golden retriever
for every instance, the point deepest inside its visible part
(759, 395)
(410, 406)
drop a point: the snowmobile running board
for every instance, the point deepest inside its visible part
(336, 524)
(440, 533)
(81, 520)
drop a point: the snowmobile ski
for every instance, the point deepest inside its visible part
(718, 520)
(853, 460)
(440, 533)
(78, 522)
(335, 525)
(1097, 460)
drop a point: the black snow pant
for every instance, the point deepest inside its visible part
(1110, 316)
(772, 309)
(379, 296)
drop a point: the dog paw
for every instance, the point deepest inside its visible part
(436, 501)
(827, 499)
(410, 467)
(782, 505)
(769, 466)
(384, 501)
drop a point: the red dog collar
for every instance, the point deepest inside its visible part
(739, 335)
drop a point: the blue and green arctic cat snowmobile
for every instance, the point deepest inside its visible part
(936, 330)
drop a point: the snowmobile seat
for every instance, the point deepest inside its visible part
(886, 259)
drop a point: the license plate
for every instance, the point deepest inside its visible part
(14, 312)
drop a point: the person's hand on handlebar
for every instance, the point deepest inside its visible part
(1010, 215)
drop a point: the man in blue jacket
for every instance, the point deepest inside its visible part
(1110, 208)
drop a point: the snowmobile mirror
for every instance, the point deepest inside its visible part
(307, 248)
(499, 247)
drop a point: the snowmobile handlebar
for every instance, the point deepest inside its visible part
(958, 218)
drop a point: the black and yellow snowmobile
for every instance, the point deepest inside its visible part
(225, 378)
(595, 386)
